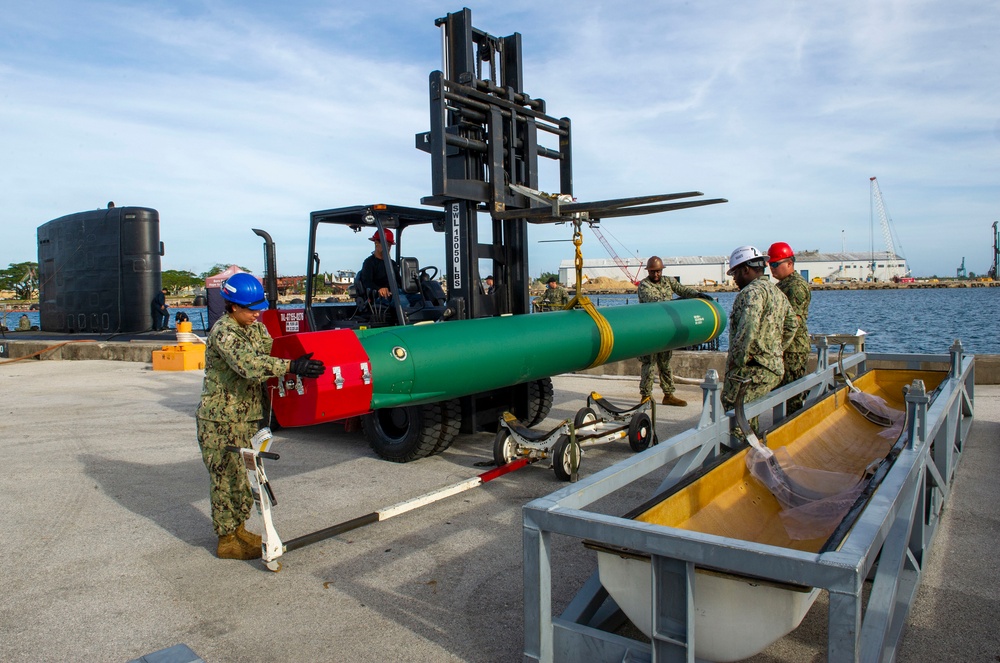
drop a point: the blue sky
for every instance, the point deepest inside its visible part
(227, 116)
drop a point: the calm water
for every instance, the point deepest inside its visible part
(197, 314)
(916, 321)
(913, 321)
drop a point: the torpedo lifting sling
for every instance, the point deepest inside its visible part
(562, 208)
(607, 335)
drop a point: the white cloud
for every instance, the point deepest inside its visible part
(231, 116)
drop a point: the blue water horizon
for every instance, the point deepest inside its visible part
(913, 321)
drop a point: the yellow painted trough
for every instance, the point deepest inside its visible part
(738, 616)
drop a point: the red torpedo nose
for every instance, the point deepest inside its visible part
(344, 390)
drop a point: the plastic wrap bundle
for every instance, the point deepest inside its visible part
(812, 501)
(870, 403)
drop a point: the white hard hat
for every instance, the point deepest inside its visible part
(744, 254)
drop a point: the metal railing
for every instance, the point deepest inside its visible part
(897, 527)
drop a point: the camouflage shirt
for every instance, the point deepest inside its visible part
(237, 361)
(664, 290)
(797, 291)
(760, 328)
(554, 296)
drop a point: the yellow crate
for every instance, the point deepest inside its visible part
(179, 358)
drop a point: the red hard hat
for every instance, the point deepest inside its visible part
(779, 251)
(389, 239)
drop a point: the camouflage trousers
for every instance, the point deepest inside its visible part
(230, 489)
(662, 360)
(762, 381)
(795, 367)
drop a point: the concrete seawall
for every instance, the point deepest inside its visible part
(141, 351)
(685, 364)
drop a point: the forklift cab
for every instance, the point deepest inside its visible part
(422, 299)
(415, 293)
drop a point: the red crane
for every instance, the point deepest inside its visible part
(614, 256)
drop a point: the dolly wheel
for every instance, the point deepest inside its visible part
(562, 458)
(584, 417)
(274, 565)
(640, 432)
(504, 447)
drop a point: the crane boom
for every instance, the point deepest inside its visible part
(614, 256)
(885, 222)
(883, 218)
(994, 271)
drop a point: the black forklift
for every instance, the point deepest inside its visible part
(483, 138)
(417, 297)
(484, 148)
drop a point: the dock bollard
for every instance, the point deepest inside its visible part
(187, 355)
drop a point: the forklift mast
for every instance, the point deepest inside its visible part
(484, 138)
(484, 147)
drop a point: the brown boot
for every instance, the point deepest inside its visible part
(230, 547)
(670, 399)
(249, 538)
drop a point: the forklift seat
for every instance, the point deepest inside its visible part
(422, 303)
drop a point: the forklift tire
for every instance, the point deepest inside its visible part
(640, 432)
(403, 434)
(562, 458)
(504, 447)
(584, 417)
(451, 424)
(540, 393)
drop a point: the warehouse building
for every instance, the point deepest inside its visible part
(708, 270)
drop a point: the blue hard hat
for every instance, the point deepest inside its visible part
(245, 290)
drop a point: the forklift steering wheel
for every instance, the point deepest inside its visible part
(424, 276)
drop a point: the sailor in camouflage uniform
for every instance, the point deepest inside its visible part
(237, 362)
(782, 262)
(554, 298)
(656, 288)
(761, 326)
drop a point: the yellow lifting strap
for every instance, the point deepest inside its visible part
(581, 300)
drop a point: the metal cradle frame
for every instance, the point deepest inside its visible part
(897, 527)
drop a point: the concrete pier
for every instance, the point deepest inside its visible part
(109, 548)
(684, 363)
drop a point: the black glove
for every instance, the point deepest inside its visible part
(705, 295)
(306, 366)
